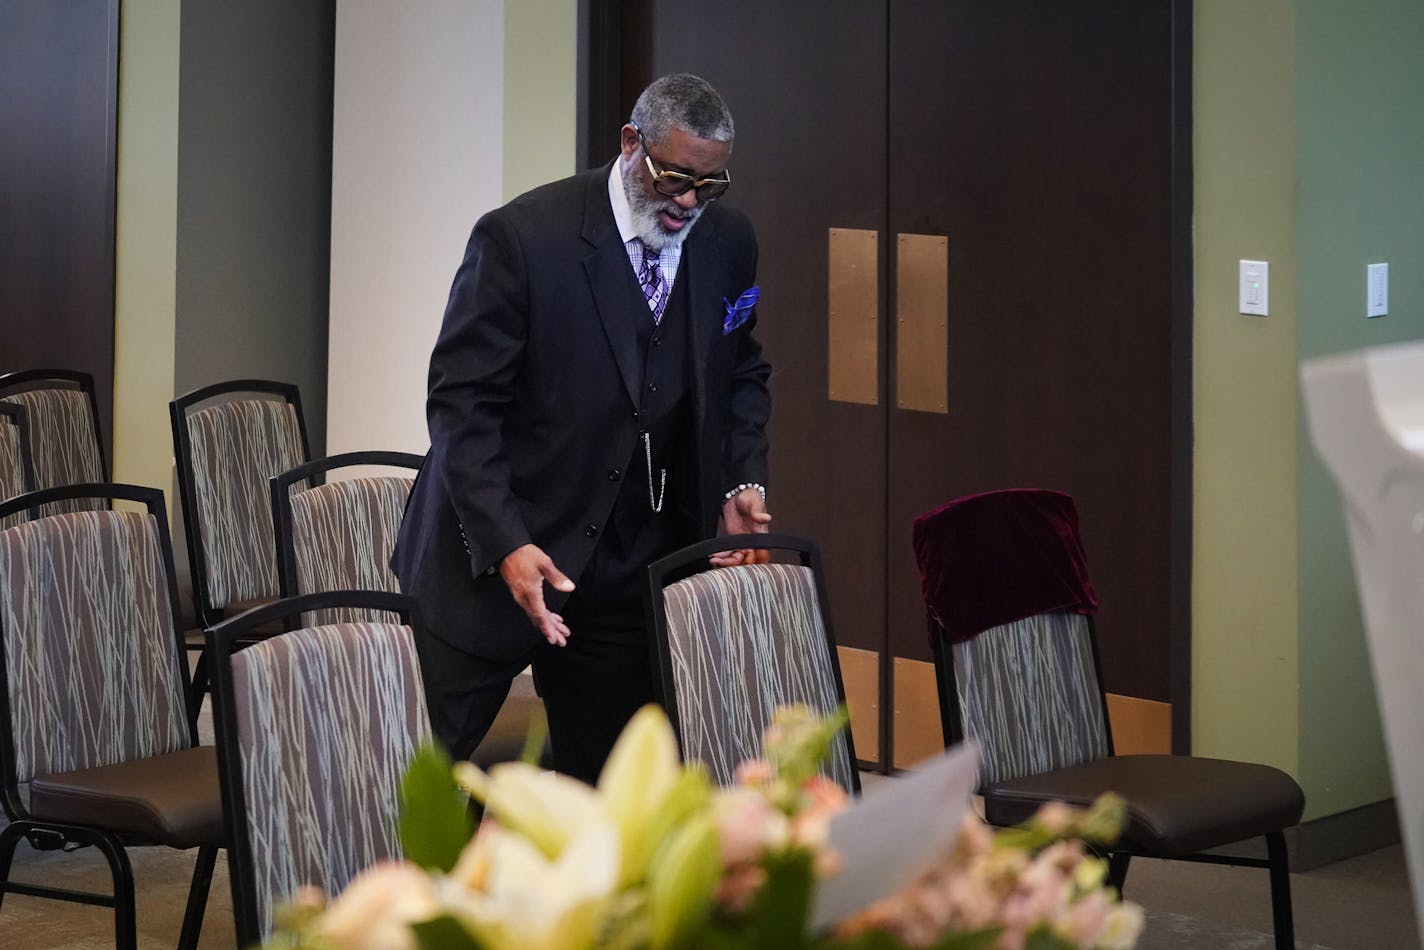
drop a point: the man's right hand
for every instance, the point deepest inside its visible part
(524, 571)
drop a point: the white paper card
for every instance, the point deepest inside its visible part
(891, 837)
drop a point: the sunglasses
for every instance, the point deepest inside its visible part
(671, 184)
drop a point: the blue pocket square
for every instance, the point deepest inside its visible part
(737, 313)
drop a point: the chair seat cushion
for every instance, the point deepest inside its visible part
(171, 799)
(1176, 804)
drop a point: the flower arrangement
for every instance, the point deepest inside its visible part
(655, 858)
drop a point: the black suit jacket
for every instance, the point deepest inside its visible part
(533, 394)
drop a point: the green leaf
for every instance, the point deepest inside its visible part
(782, 905)
(975, 940)
(435, 822)
(1042, 938)
(444, 933)
(682, 879)
(870, 940)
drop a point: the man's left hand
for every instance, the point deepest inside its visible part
(744, 513)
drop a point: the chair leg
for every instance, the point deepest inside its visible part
(197, 689)
(125, 922)
(9, 839)
(1280, 891)
(198, 897)
(1117, 869)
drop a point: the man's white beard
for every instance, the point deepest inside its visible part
(644, 208)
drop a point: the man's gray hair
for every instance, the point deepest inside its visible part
(682, 101)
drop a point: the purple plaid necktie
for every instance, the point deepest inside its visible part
(655, 290)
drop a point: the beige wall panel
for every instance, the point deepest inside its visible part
(417, 157)
(852, 344)
(918, 735)
(922, 322)
(860, 672)
(1140, 726)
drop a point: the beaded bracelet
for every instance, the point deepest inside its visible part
(743, 487)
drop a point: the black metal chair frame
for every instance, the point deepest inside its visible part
(224, 640)
(51, 836)
(178, 411)
(20, 420)
(1277, 860)
(693, 560)
(29, 379)
(315, 472)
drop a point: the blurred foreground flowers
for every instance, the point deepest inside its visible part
(656, 858)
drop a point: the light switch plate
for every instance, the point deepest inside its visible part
(1255, 288)
(1376, 290)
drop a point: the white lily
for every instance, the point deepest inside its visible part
(547, 808)
(529, 902)
(644, 789)
(378, 907)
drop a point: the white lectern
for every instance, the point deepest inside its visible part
(1366, 417)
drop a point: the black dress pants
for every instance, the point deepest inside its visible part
(591, 687)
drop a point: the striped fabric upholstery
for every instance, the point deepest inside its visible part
(743, 641)
(237, 447)
(12, 470)
(327, 721)
(343, 534)
(63, 449)
(1028, 692)
(89, 642)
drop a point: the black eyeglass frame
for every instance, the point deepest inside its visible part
(681, 183)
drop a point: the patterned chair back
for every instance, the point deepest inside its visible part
(1006, 587)
(1028, 692)
(324, 721)
(63, 444)
(89, 646)
(236, 447)
(16, 476)
(343, 534)
(744, 640)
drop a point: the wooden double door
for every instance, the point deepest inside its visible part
(973, 219)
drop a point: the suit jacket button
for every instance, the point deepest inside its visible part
(614, 474)
(591, 530)
(652, 387)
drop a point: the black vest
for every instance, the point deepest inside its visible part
(635, 535)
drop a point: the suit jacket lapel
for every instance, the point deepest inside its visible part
(608, 277)
(698, 253)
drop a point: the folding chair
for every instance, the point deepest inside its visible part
(339, 535)
(315, 728)
(1010, 606)
(229, 439)
(732, 644)
(94, 724)
(62, 417)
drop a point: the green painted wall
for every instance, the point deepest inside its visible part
(1360, 164)
(540, 92)
(1309, 154)
(1244, 641)
(146, 243)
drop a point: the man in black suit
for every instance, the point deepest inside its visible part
(596, 400)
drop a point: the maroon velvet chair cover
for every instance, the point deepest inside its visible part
(990, 559)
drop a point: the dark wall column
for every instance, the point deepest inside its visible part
(58, 104)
